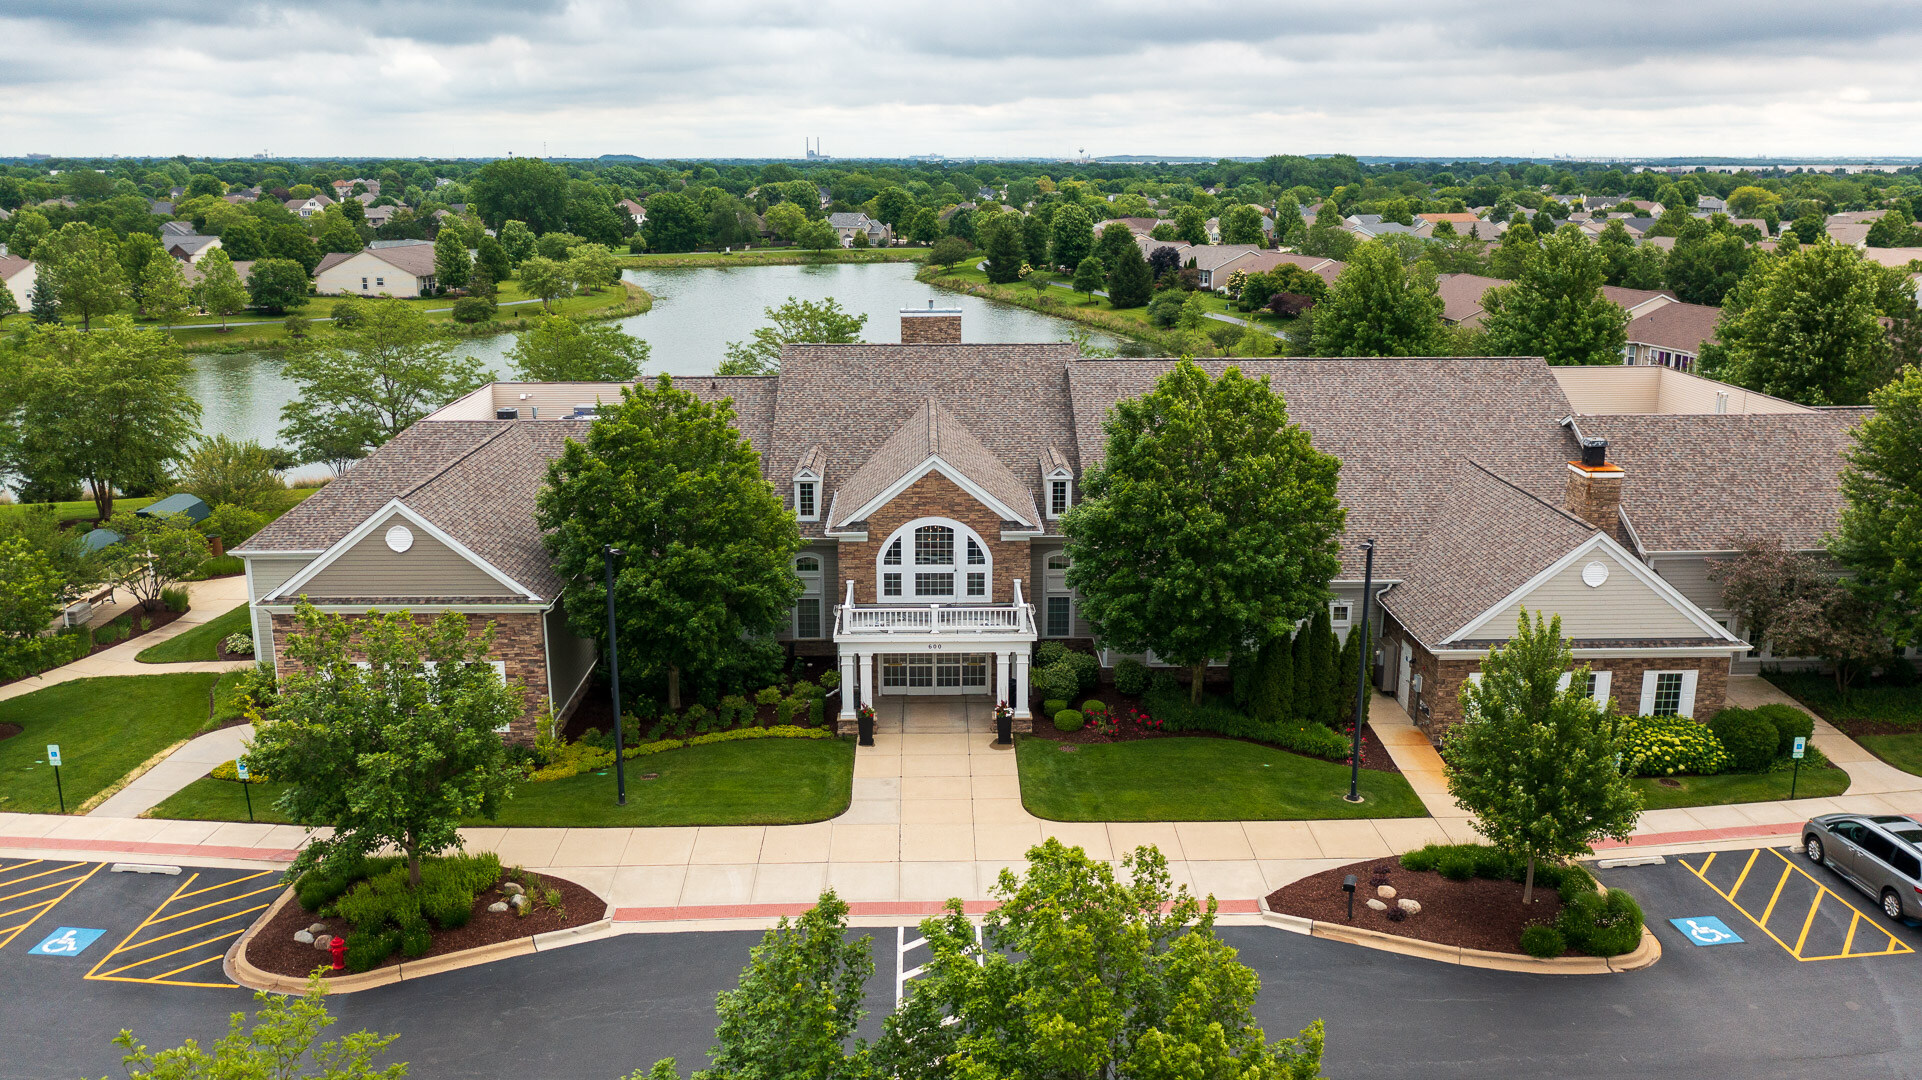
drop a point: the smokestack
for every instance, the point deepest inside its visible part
(1594, 491)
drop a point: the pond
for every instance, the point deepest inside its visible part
(696, 314)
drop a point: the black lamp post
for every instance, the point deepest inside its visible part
(608, 555)
(1361, 678)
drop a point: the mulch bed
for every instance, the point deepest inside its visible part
(1476, 914)
(1374, 756)
(274, 949)
(8, 731)
(225, 655)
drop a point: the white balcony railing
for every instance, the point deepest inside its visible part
(1014, 618)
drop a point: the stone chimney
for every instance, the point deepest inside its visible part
(931, 325)
(1595, 488)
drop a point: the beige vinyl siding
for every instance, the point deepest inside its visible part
(428, 568)
(265, 573)
(1615, 389)
(343, 278)
(536, 401)
(1689, 575)
(1622, 607)
(570, 659)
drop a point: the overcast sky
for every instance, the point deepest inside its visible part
(724, 78)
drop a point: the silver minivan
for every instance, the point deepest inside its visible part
(1881, 854)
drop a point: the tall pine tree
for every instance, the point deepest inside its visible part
(1321, 645)
(1302, 660)
(1274, 698)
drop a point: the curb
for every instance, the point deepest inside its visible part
(253, 978)
(1644, 955)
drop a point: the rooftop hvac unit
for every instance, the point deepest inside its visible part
(586, 411)
(507, 414)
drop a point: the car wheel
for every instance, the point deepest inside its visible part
(1891, 904)
(1813, 848)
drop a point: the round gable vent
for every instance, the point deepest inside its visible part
(400, 538)
(1594, 574)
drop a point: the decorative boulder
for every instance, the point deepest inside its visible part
(512, 888)
(1386, 892)
(305, 937)
(497, 906)
(323, 942)
(518, 900)
(317, 928)
(1410, 906)
(1376, 905)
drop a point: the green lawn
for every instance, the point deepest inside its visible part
(200, 643)
(1903, 751)
(1197, 780)
(104, 727)
(1739, 788)
(1891, 704)
(750, 782)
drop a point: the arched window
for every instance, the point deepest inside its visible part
(807, 607)
(934, 560)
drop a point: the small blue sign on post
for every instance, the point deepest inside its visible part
(1706, 930)
(240, 768)
(66, 941)
(1801, 747)
(53, 754)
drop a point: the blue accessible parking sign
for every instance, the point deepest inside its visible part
(1706, 930)
(66, 941)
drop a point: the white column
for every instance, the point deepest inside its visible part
(847, 684)
(867, 678)
(1021, 661)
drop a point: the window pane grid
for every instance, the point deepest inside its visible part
(977, 584)
(890, 584)
(1058, 497)
(934, 584)
(1058, 621)
(933, 546)
(893, 557)
(807, 621)
(976, 557)
(805, 500)
(1668, 693)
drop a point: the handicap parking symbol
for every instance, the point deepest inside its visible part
(1706, 930)
(66, 941)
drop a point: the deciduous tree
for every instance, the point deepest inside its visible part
(224, 471)
(1089, 276)
(674, 222)
(559, 349)
(1379, 306)
(398, 752)
(219, 290)
(1207, 481)
(1879, 536)
(1556, 309)
(1535, 761)
(666, 478)
(949, 250)
(1803, 326)
(545, 278)
(82, 265)
(277, 286)
(521, 189)
(452, 266)
(1241, 224)
(1072, 236)
(154, 554)
(796, 321)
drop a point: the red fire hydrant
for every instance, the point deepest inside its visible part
(338, 948)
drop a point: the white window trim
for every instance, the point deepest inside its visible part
(1685, 707)
(1601, 683)
(813, 588)
(1341, 624)
(809, 478)
(1047, 494)
(907, 568)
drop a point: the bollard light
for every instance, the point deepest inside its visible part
(1348, 886)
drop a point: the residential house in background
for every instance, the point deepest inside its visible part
(1909, 258)
(398, 268)
(307, 208)
(17, 275)
(635, 211)
(1369, 226)
(1140, 226)
(1670, 334)
(179, 240)
(847, 225)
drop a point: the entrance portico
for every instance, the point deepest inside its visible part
(934, 650)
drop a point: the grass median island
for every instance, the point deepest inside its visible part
(1728, 788)
(104, 727)
(749, 782)
(1197, 780)
(200, 643)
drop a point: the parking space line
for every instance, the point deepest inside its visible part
(114, 966)
(39, 907)
(1895, 947)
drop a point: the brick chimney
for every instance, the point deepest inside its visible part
(931, 325)
(1595, 488)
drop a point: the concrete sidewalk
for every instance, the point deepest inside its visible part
(182, 767)
(208, 600)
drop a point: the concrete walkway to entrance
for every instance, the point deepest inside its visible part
(207, 601)
(937, 813)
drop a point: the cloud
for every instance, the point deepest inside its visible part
(737, 78)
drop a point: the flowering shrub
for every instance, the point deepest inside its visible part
(237, 645)
(1142, 720)
(1666, 745)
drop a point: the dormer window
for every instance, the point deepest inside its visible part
(806, 506)
(1058, 497)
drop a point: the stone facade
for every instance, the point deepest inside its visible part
(519, 643)
(931, 327)
(934, 495)
(1595, 495)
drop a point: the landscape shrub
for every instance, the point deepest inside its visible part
(229, 772)
(1310, 740)
(1094, 707)
(1667, 745)
(1543, 942)
(174, 599)
(830, 679)
(817, 712)
(474, 309)
(415, 939)
(118, 630)
(237, 644)
(1130, 676)
(1789, 722)
(1086, 669)
(1068, 720)
(1163, 681)
(1456, 865)
(1749, 739)
(1602, 925)
(367, 950)
(767, 695)
(24, 656)
(734, 710)
(699, 719)
(1056, 682)
(784, 710)
(1049, 653)
(232, 524)
(1165, 309)
(1052, 706)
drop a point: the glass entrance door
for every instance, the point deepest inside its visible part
(934, 673)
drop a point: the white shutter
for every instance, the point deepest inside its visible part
(1601, 686)
(1648, 694)
(1561, 684)
(1687, 707)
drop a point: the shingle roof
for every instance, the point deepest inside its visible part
(10, 265)
(1393, 423)
(1489, 538)
(1709, 482)
(1628, 299)
(1215, 256)
(1461, 295)
(1684, 327)
(930, 432)
(415, 259)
